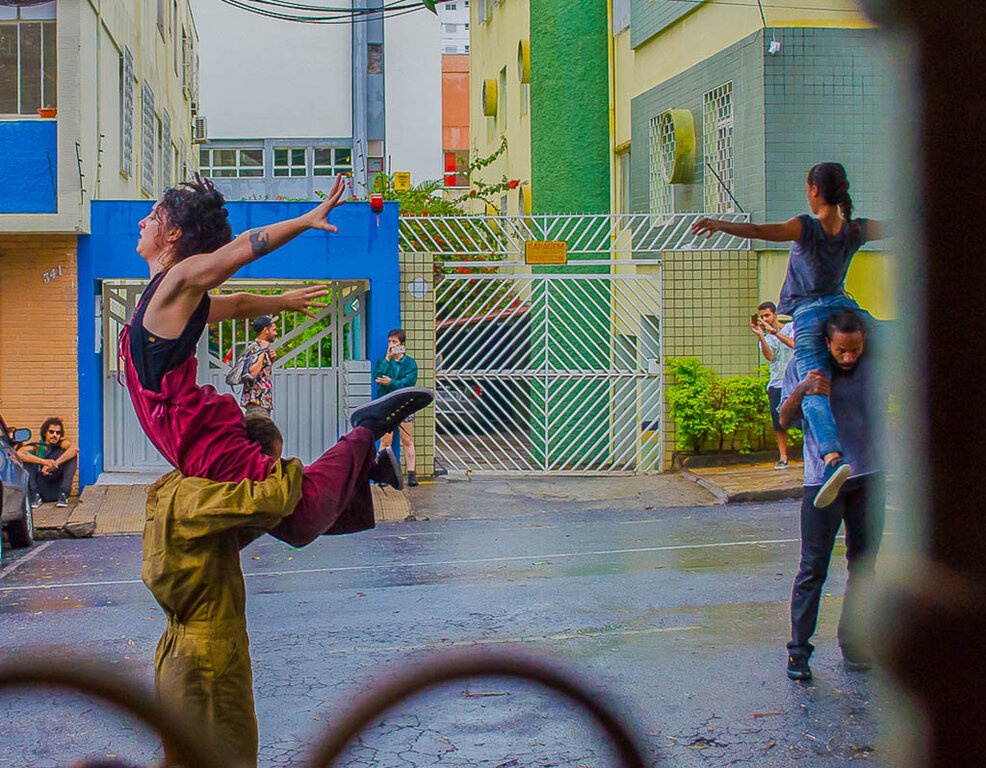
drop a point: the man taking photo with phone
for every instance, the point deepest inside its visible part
(777, 347)
(397, 370)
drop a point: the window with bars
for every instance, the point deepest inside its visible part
(331, 161)
(290, 161)
(28, 59)
(232, 163)
(717, 148)
(147, 139)
(127, 112)
(166, 152)
(660, 158)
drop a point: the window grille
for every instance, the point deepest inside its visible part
(232, 163)
(717, 148)
(290, 161)
(147, 139)
(127, 112)
(661, 149)
(166, 158)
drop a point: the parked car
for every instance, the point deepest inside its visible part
(15, 514)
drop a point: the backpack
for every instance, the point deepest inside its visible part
(239, 373)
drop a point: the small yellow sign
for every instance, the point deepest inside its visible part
(402, 180)
(546, 252)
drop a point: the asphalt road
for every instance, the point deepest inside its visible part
(676, 617)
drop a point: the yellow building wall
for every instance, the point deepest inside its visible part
(872, 280)
(712, 27)
(493, 46)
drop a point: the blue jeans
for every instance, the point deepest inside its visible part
(811, 354)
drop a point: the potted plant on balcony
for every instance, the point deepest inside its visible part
(47, 112)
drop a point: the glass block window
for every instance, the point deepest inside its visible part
(717, 148)
(28, 59)
(331, 161)
(660, 157)
(231, 163)
(290, 161)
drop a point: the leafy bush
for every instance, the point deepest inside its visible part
(731, 413)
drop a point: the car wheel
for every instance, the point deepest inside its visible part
(21, 530)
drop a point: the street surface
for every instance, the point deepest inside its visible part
(678, 616)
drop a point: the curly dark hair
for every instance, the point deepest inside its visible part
(198, 209)
(51, 421)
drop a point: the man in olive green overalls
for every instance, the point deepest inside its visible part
(193, 534)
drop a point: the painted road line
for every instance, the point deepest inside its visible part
(433, 563)
(25, 559)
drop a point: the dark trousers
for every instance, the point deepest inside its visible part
(50, 485)
(860, 505)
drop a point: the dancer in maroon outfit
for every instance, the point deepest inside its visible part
(188, 245)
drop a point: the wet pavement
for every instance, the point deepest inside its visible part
(678, 616)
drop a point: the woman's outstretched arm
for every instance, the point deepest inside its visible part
(775, 233)
(201, 273)
(240, 306)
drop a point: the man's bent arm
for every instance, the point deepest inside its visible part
(790, 411)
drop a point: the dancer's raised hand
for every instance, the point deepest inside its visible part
(318, 218)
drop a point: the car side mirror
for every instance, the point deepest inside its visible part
(22, 435)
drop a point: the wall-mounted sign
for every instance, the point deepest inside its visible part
(546, 252)
(402, 180)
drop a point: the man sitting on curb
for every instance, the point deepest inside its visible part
(51, 464)
(860, 501)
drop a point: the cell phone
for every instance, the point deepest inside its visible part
(754, 319)
(400, 349)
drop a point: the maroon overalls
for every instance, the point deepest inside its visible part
(203, 434)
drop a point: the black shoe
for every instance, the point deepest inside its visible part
(36, 500)
(412, 479)
(797, 667)
(62, 500)
(386, 470)
(383, 415)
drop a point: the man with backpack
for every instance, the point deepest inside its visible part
(254, 368)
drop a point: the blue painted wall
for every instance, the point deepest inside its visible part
(365, 248)
(29, 171)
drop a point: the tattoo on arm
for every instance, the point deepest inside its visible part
(259, 242)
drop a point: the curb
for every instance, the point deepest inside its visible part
(75, 522)
(736, 497)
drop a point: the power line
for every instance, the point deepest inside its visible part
(349, 17)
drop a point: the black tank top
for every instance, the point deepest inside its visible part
(154, 356)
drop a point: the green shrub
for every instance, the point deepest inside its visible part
(731, 413)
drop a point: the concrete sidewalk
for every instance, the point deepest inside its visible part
(750, 482)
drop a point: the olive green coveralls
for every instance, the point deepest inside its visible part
(193, 534)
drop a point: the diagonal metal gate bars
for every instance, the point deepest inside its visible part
(550, 369)
(548, 373)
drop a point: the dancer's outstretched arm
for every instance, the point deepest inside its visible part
(201, 273)
(236, 306)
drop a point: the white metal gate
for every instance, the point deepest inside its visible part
(548, 373)
(551, 369)
(307, 399)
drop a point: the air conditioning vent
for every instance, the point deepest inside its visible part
(200, 129)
